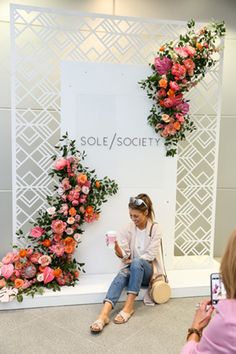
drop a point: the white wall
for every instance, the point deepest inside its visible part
(200, 10)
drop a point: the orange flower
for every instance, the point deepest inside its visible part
(177, 125)
(68, 240)
(199, 46)
(89, 210)
(41, 269)
(171, 93)
(161, 49)
(69, 249)
(18, 283)
(22, 253)
(82, 178)
(163, 83)
(97, 184)
(76, 274)
(72, 211)
(57, 272)
(46, 243)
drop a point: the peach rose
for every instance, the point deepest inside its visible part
(82, 178)
(2, 283)
(18, 283)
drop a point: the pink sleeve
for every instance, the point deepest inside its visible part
(189, 347)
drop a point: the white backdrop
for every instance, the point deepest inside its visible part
(104, 109)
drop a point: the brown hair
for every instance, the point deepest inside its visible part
(228, 267)
(146, 206)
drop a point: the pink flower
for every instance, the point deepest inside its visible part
(57, 237)
(174, 86)
(8, 258)
(181, 51)
(190, 50)
(15, 257)
(44, 260)
(161, 93)
(58, 226)
(48, 275)
(169, 130)
(179, 71)
(189, 64)
(73, 195)
(66, 184)
(7, 270)
(85, 190)
(75, 202)
(69, 231)
(60, 164)
(58, 249)
(180, 117)
(27, 284)
(29, 252)
(37, 232)
(83, 198)
(61, 281)
(169, 102)
(35, 257)
(163, 65)
(64, 209)
(183, 107)
(77, 217)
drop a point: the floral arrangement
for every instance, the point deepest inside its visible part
(176, 69)
(47, 260)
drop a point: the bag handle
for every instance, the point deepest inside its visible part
(162, 254)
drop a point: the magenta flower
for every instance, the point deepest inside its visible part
(48, 275)
(163, 65)
(183, 107)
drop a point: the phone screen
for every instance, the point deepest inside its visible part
(218, 291)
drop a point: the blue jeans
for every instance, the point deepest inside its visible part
(132, 276)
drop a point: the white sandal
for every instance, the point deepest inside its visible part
(98, 325)
(125, 316)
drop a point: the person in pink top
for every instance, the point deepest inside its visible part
(217, 335)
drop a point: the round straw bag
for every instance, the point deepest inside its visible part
(160, 290)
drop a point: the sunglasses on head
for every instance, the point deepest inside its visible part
(137, 201)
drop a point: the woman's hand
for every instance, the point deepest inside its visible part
(203, 315)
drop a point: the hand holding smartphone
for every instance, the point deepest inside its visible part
(218, 291)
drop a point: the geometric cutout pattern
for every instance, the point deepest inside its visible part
(41, 39)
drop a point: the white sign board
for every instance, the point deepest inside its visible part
(105, 110)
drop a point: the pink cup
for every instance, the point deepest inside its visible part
(110, 239)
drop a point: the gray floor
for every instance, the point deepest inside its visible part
(65, 330)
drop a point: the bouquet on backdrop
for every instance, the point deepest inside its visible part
(179, 66)
(46, 260)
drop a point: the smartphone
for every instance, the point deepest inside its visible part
(218, 291)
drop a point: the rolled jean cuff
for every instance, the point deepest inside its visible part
(108, 300)
(132, 292)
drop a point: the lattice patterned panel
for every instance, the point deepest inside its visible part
(41, 39)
